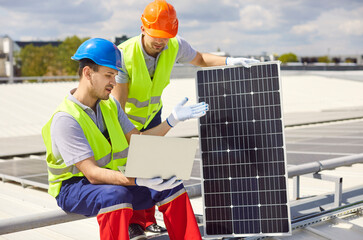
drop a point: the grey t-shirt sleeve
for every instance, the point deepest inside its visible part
(125, 123)
(186, 52)
(68, 140)
(122, 76)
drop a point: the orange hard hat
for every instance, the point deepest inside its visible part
(159, 20)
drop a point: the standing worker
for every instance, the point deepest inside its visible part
(87, 138)
(148, 60)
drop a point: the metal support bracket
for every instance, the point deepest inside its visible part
(338, 186)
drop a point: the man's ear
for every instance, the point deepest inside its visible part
(87, 72)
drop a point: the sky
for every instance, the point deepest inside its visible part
(237, 27)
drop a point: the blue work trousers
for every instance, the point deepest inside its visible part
(78, 195)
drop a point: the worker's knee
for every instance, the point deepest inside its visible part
(168, 194)
(113, 194)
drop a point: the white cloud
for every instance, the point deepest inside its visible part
(235, 26)
(334, 31)
(255, 17)
(352, 27)
(208, 11)
(335, 23)
(303, 29)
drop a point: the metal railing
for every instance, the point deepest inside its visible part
(37, 220)
(17, 224)
(37, 78)
(315, 167)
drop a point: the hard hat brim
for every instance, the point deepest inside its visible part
(160, 33)
(112, 66)
(117, 68)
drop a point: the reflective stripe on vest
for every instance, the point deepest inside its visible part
(106, 155)
(138, 104)
(102, 162)
(144, 98)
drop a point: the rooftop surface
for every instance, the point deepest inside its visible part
(308, 98)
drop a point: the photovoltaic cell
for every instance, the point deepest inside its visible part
(243, 153)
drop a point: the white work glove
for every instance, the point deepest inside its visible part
(230, 61)
(158, 183)
(182, 113)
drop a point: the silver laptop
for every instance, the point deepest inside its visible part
(155, 156)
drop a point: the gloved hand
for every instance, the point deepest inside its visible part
(182, 113)
(240, 61)
(158, 183)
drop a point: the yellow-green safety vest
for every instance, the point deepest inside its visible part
(144, 99)
(106, 155)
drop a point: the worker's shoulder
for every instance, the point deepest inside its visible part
(128, 41)
(64, 119)
(180, 39)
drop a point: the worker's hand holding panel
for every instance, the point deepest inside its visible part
(182, 113)
(240, 61)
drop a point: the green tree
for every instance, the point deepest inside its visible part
(36, 61)
(288, 57)
(324, 59)
(63, 64)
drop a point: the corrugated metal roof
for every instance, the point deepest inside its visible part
(26, 107)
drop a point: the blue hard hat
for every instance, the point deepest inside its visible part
(101, 51)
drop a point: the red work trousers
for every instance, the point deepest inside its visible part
(178, 215)
(114, 225)
(144, 217)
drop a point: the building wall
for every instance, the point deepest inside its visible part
(337, 59)
(2, 58)
(6, 57)
(1, 45)
(2, 68)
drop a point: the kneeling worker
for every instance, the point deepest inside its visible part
(87, 138)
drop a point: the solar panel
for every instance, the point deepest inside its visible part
(244, 177)
(26, 171)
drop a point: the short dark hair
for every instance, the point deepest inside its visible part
(87, 62)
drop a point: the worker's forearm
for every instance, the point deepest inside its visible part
(159, 130)
(108, 176)
(98, 175)
(213, 60)
(208, 60)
